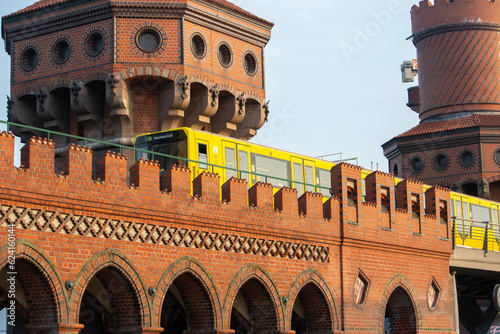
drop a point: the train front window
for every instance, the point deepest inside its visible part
(170, 143)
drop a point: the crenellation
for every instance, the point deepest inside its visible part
(177, 181)
(260, 195)
(77, 162)
(331, 209)
(445, 12)
(234, 192)
(37, 155)
(311, 205)
(207, 186)
(285, 201)
(112, 169)
(144, 174)
(7, 146)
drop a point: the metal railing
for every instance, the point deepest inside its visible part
(185, 162)
(483, 235)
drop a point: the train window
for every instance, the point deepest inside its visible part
(169, 143)
(479, 214)
(297, 176)
(275, 169)
(230, 162)
(243, 155)
(203, 155)
(323, 179)
(309, 177)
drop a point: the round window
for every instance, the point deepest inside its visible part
(29, 59)
(149, 40)
(496, 156)
(198, 46)
(466, 159)
(61, 51)
(250, 63)
(441, 162)
(225, 55)
(416, 165)
(94, 44)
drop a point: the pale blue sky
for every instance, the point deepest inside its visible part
(332, 75)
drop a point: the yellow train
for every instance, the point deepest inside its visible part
(475, 220)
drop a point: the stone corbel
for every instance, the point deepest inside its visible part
(255, 116)
(22, 110)
(230, 113)
(89, 109)
(174, 98)
(53, 110)
(117, 99)
(204, 104)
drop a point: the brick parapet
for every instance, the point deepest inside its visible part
(427, 15)
(112, 190)
(141, 221)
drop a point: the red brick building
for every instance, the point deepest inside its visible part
(114, 69)
(103, 249)
(456, 143)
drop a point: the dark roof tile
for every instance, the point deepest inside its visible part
(222, 3)
(471, 121)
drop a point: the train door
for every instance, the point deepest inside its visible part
(202, 148)
(229, 160)
(302, 172)
(462, 219)
(297, 175)
(244, 162)
(236, 158)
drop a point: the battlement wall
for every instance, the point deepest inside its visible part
(156, 229)
(281, 215)
(427, 15)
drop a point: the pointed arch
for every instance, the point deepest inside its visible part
(311, 276)
(400, 281)
(253, 271)
(113, 259)
(27, 251)
(187, 265)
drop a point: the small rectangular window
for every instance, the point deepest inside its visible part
(309, 177)
(202, 155)
(243, 164)
(230, 162)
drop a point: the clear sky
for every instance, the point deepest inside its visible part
(332, 75)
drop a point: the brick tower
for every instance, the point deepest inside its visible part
(457, 143)
(109, 69)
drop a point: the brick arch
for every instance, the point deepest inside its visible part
(400, 281)
(311, 276)
(63, 83)
(253, 271)
(493, 179)
(186, 265)
(141, 71)
(224, 86)
(99, 76)
(202, 80)
(113, 259)
(26, 91)
(27, 251)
